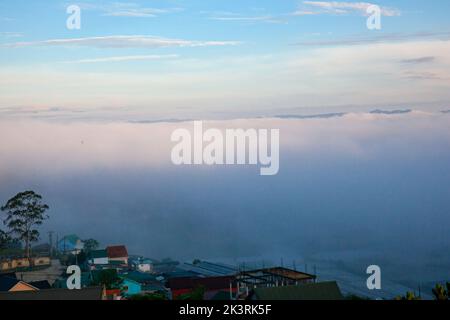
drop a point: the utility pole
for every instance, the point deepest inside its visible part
(57, 241)
(50, 240)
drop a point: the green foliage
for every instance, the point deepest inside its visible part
(5, 240)
(410, 296)
(23, 212)
(440, 293)
(196, 295)
(107, 278)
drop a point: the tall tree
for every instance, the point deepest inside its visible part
(5, 240)
(24, 212)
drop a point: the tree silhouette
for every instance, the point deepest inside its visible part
(23, 212)
(5, 240)
(440, 293)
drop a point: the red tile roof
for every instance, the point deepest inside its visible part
(117, 252)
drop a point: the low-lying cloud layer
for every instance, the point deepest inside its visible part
(360, 182)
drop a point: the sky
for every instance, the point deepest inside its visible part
(220, 59)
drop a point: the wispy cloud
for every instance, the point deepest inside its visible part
(393, 37)
(336, 7)
(247, 19)
(123, 9)
(305, 13)
(11, 34)
(125, 58)
(420, 60)
(120, 41)
(414, 75)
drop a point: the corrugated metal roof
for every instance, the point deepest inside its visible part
(307, 291)
(209, 268)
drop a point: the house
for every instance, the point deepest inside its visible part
(135, 282)
(12, 284)
(98, 257)
(142, 264)
(41, 285)
(41, 261)
(21, 263)
(130, 287)
(93, 293)
(211, 285)
(15, 263)
(113, 294)
(70, 244)
(305, 291)
(117, 253)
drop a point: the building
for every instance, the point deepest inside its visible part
(9, 283)
(142, 264)
(93, 293)
(130, 287)
(70, 244)
(113, 294)
(117, 253)
(41, 284)
(271, 277)
(211, 286)
(98, 257)
(165, 266)
(305, 291)
(13, 264)
(135, 282)
(22, 263)
(41, 261)
(209, 269)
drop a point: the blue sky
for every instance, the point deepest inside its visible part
(158, 57)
